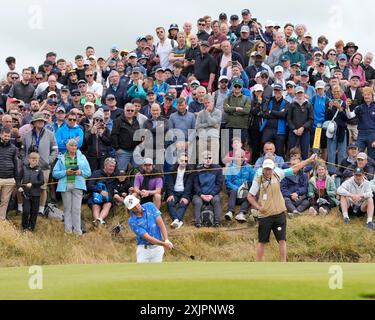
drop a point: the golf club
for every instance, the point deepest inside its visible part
(184, 253)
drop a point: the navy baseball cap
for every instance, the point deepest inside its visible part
(234, 17)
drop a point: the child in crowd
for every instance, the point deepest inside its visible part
(31, 180)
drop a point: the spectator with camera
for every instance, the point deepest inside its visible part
(98, 141)
(102, 191)
(43, 142)
(71, 170)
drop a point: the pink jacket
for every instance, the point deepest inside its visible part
(357, 70)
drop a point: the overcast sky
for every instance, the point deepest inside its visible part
(32, 28)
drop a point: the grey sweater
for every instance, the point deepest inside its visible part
(207, 122)
(47, 148)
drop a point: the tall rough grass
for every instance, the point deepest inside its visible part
(319, 239)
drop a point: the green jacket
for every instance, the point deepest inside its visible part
(237, 119)
(330, 187)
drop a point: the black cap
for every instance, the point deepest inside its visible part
(81, 82)
(277, 87)
(64, 88)
(234, 17)
(205, 44)
(105, 108)
(150, 92)
(74, 91)
(245, 11)
(352, 146)
(358, 171)
(173, 26)
(222, 16)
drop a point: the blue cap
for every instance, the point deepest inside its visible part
(114, 47)
(342, 56)
(173, 26)
(284, 57)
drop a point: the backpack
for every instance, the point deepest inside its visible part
(51, 211)
(97, 198)
(207, 215)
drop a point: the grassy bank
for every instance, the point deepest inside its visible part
(310, 239)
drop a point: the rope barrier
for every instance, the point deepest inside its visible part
(191, 171)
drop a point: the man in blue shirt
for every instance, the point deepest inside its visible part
(146, 222)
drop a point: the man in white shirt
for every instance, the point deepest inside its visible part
(164, 48)
(93, 86)
(356, 198)
(179, 186)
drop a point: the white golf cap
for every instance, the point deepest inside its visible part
(279, 69)
(51, 93)
(131, 202)
(316, 53)
(268, 164)
(292, 83)
(148, 161)
(300, 89)
(320, 84)
(223, 78)
(258, 87)
(308, 35)
(269, 23)
(258, 75)
(195, 82)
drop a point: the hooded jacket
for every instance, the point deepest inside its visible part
(235, 175)
(351, 187)
(357, 70)
(59, 172)
(65, 133)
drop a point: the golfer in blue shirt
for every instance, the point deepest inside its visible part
(146, 222)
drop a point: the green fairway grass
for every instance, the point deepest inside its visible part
(191, 280)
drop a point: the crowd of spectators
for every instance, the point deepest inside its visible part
(100, 128)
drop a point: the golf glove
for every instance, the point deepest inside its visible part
(167, 241)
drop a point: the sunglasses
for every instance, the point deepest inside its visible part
(130, 110)
(76, 95)
(15, 78)
(237, 87)
(208, 158)
(72, 120)
(159, 32)
(261, 47)
(201, 24)
(289, 87)
(224, 81)
(81, 86)
(99, 120)
(89, 75)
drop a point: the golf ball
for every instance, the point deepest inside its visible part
(279, 229)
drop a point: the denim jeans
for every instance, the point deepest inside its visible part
(176, 209)
(303, 142)
(333, 146)
(123, 158)
(365, 140)
(232, 201)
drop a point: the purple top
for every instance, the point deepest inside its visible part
(155, 183)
